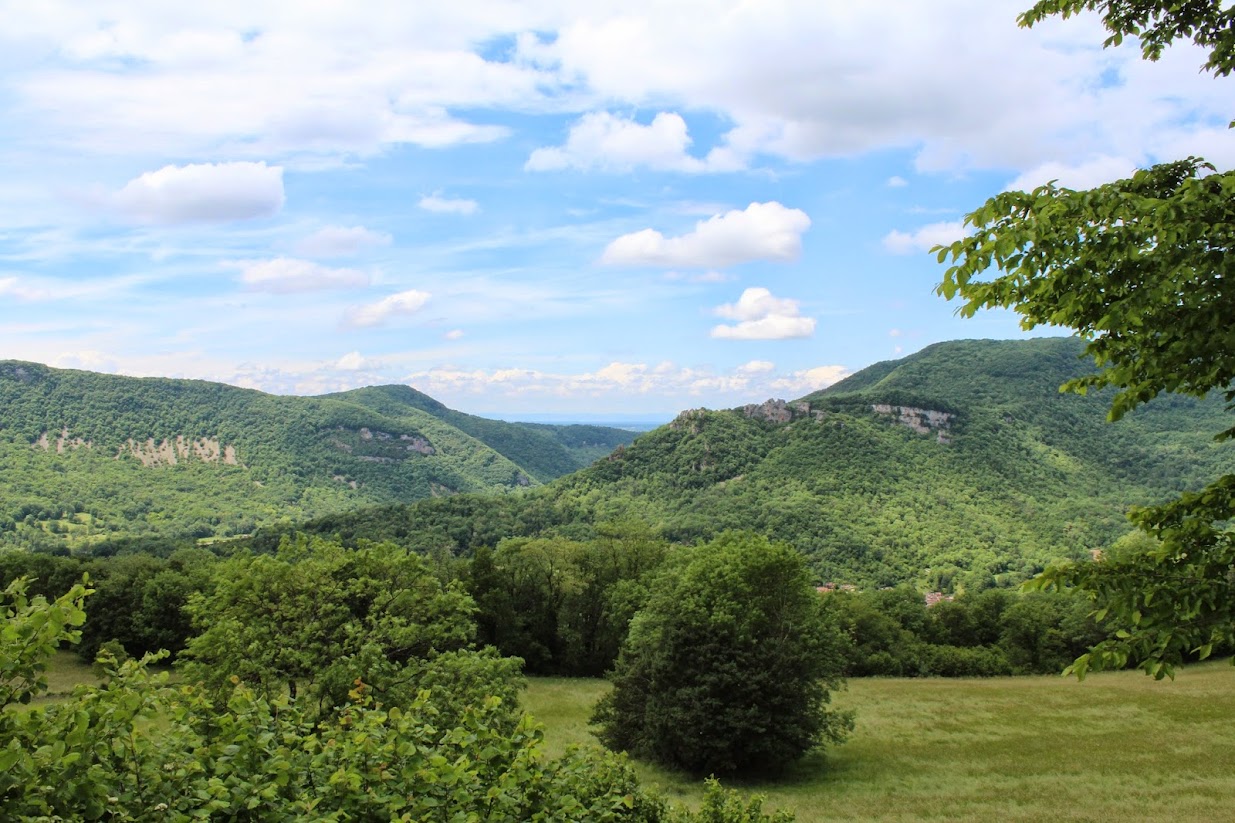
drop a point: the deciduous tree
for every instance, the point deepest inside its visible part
(730, 666)
(1141, 269)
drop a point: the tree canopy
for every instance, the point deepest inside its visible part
(1141, 270)
(138, 748)
(730, 666)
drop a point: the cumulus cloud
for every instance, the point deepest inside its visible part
(341, 241)
(286, 275)
(375, 314)
(923, 239)
(896, 182)
(761, 231)
(352, 361)
(448, 205)
(1084, 175)
(605, 142)
(757, 367)
(809, 380)
(752, 381)
(799, 81)
(202, 192)
(762, 316)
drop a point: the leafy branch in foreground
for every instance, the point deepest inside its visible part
(1141, 269)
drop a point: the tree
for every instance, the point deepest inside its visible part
(1141, 268)
(318, 615)
(730, 666)
(138, 748)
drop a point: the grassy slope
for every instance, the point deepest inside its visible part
(1116, 747)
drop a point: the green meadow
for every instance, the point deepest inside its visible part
(1118, 746)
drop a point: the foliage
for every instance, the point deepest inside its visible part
(564, 606)
(1138, 268)
(1028, 476)
(317, 615)
(980, 634)
(69, 478)
(1157, 23)
(722, 805)
(33, 628)
(730, 666)
(140, 749)
(544, 451)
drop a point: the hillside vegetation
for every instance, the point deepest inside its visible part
(961, 466)
(89, 458)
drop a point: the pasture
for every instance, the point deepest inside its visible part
(1116, 747)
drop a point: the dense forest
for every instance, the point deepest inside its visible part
(959, 468)
(93, 460)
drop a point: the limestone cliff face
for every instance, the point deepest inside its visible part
(166, 452)
(922, 421)
(170, 451)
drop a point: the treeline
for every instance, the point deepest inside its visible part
(320, 684)
(564, 606)
(986, 634)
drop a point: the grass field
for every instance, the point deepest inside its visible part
(1118, 747)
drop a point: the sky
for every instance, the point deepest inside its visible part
(565, 208)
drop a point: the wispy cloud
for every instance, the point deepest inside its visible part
(396, 305)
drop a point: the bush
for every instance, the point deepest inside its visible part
(730, 665)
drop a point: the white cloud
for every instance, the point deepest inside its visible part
(285, 275)
(925, 238)
(375, 314)
(341, 241)
(602, 141)
(203, 192)
(757, 367)
(798, 80)
(896, 182)
(86, 359)
(12, 287)
(762, 231)
(1084, 175)
(44, 289)
(804, 80)
(454, 334)
(352, 361)
(448, 205)
(809, 380)
(762, 316)
(616, 380)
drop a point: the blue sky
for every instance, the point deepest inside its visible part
(519, 207)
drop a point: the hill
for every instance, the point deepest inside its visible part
(88, 458)
(543, 451)
(961, 466)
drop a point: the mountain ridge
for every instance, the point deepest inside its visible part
(961, 466)
(74, 444)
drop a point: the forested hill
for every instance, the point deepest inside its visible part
(543, 451)
(961, 465)
(88, 458)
